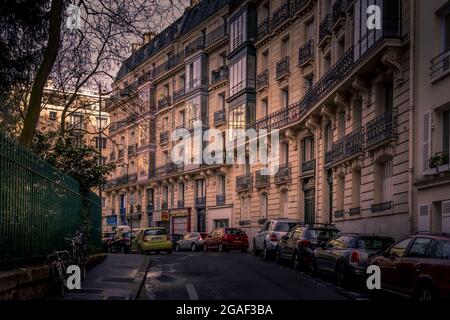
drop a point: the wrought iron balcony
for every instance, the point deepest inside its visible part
(196, 83)
(167, 169)
(355, 211)
(178, 95)
(264, 28)
(132, 177)
(150, 207)
(262, 79)
(282, 13)
(195, 45)
(171, 62)
(379, 207)
(338, 150)
(243, 223)
(216, 34)
(348, 146)
(200, 202)
(244, 182)
(283, 174)
(328, 158)
(339, 214)
(325, 27)
(283, 67)
(238, 40)
(164, 137)
(440, 65)
(220, 117)
(163, 103)
(308, 166)
(164, 205)
(261, 181)
(382, 128)
(339, 8)
(132, 149)
(220, 200)
(180, 204)
(122, 180)
(220, 74)
(306, 53)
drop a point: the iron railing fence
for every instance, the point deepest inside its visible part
(39, 207)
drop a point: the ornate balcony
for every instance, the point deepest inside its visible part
(220, 117)
(348, 146)
(283, 174)
(262, 79)
(338, 150)
(328, 158)
(178, 95)
(132, 177)
(200, 202)
(195, 45)
(264, 28)
(196, 83)
(440, 66)
(339, 9)
(244, 182)
(339, 214)
(220, 74)
(163, 103)
(261, 181)
(325, 27)
(308, 166)
(281, 14)
(382, 129)
(380, 207)
(355, 212)
(220, 200)
(164, 137)
(216, 34)
(306, 53)
(283, 67)
(167, 169)
(238, 40)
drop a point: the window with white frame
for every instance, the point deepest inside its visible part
(238, 75)
(264, 206)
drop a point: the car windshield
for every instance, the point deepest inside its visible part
(322, 234)
(374, 243)
(155, 232)
(284, 226)
(235, 232)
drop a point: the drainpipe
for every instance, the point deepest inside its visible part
(411, 152)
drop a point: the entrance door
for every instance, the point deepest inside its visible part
(201, 220)
(309, 206)
(180, 225)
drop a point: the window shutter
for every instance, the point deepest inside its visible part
(426, 144)
(423, 221)
(446, 216)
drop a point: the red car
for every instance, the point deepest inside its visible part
(417, 267)
(224, 239)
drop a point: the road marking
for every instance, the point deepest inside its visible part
(191, 292)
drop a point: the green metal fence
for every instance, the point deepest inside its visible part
(39, 206)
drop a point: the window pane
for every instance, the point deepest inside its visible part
(419, 247)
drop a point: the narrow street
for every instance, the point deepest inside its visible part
(234, 275)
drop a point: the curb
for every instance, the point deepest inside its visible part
(141, 275)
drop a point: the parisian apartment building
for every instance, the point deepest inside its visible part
(361, 109)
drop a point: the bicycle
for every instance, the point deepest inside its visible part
(78, 251)
(59, 261)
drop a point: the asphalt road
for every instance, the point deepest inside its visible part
(233, 276)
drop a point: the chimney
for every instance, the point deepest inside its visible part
(149, 36)
(135, 47)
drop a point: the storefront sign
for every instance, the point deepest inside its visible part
(180, 212)
(164, 216)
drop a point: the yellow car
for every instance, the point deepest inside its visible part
(151, 239)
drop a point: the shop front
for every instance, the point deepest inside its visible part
(161, 219)
(180, 221)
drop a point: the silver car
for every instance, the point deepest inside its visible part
(267, 237)
(191, 241)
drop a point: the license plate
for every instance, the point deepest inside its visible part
(237, 241)
(156, 238)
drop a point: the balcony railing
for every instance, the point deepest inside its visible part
(200, 202)
(261, 181)
(306, 53)
(264, 28)
(132, 149)
(220, 117)
(195, 45)
(379, 207)
(308, 166)
(339, 9)
(348, 146)
(238, 40)
(262, 79)
(180, 204)
(164, 137)
(150, 207)
(281, 14)
(178, 95)
(283, 174)
(163, 103)
(132, 177)
(440, 65)
(220, 74)
(382, 128)
(283, 67)
(220, 200)
(328, 158)
(339, 214)
(325, 27)
(167, 169)
(338, 150)
(216, 34)
(171, 62)
(196, 83)
(244, 182)
(355, 212)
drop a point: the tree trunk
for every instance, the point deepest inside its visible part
(37, 90)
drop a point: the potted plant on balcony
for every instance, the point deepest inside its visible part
(440, 162)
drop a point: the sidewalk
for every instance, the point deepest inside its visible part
(119, 277)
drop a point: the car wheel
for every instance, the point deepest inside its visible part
(193, 247)
(425, 292)
(266, 253)
(256, 252)
(169, 251)
(339, 276)
(296, 264)
(177, 248)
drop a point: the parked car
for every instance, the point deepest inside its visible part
(120, 242)
(175, 237)
(345, 258)
(298, 244)
(266, 239)
(417, 267)
(152, 240)
(191, 241)
(224, 239)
